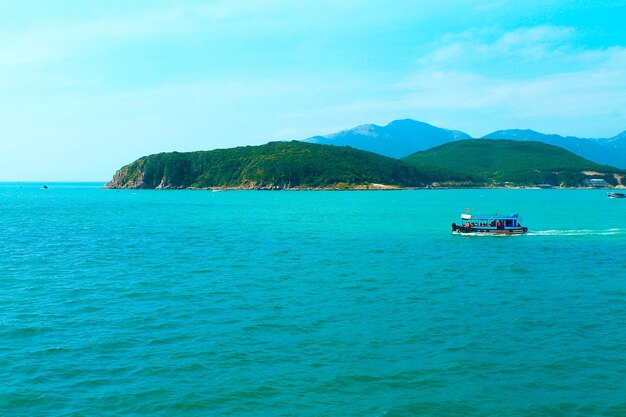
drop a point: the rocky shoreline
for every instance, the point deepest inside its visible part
(362, 187)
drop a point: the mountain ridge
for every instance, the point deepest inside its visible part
(404, 137)
(608, 151)
(397, 139)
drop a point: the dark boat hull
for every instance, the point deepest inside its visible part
(491, 231)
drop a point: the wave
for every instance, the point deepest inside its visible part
(555, 232)
(578, 232)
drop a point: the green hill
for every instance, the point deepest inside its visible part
(275, 165)
(506, 161)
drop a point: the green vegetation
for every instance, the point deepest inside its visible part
(275, 165)
(502, 162)
(300, 165)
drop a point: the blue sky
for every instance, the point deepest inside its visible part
(86, 87)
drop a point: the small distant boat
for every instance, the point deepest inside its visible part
(617, 195)
(494, 225)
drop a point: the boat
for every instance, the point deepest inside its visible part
(617, 195)
(493, 225)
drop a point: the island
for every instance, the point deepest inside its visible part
(299, 165)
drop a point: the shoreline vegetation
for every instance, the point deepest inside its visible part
(299, 166)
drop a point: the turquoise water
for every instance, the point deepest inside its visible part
(309, 303)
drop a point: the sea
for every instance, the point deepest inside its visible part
(309, 303)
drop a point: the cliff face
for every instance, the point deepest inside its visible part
(121, 180)
(130, 176)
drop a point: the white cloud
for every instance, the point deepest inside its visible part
(525, 44)
(529, 75)
(583, 92)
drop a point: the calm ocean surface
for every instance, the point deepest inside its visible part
(257, 303)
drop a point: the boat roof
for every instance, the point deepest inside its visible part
(466, 216)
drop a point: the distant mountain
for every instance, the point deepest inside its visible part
(516, 162)
(398, 139)
(276, 165)
(616, 142)
(611, 151)
(404, 137)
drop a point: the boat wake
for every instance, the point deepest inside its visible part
(557, 232)
(577, 232)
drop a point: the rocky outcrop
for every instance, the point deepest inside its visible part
(121, 180)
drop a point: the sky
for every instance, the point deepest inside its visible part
(87, 87)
